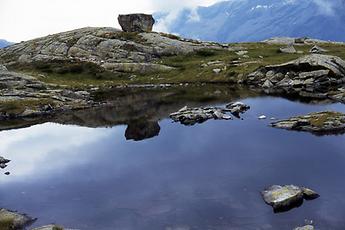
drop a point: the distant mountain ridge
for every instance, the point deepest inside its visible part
(4, 43)
(256, 20)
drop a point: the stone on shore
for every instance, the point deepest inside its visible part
(284, 198)
(136, 22)
(321, 123)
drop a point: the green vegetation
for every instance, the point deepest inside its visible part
(195, 67)
(19, 106)
(319, 121)
(6, 223)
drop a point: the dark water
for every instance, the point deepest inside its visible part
(208, 176)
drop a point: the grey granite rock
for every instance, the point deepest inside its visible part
(136, 22)
(284, 198)
(319, 123)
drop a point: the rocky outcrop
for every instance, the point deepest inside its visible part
(298, 41)
(317, 50)
(314, 76)
(320, 123)
(289, 49)
(136, 22)
(104, 48)
(22, 95)
(10, 220)
(284, 198)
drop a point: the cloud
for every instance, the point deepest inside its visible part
(36, 18)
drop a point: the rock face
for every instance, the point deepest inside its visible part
(105, 48)
(136, 22)
(318, 123)
(313, 76)
(284, 198)
(10, 220)
(289, 49)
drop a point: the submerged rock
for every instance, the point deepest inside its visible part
(192, 116)
(307, 227)
(50, 227)
(326, 122)
(136, 22)
(284, 198)
(10, 220)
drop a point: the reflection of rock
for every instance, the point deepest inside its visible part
(140, 130)
(284, 198)
(191, 116)
(3, 162)
(12, 220)
(136, 22)
(319, 123)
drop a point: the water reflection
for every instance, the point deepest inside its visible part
(208, 176)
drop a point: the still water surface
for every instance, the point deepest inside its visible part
(208, 176)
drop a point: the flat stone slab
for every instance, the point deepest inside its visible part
(306, 227)
(321, 123)
(287, 197)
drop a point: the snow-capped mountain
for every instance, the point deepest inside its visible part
(255, 20)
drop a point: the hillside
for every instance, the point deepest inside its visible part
(257, 20)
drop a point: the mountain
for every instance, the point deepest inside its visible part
(4, 43)
(256, 20)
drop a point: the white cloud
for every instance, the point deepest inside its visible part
(27, 19)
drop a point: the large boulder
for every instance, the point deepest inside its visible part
(136, 22)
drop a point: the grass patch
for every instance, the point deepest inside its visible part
(19, 106)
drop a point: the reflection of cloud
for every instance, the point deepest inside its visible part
(29, 149)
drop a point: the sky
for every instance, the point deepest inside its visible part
(21, 20)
